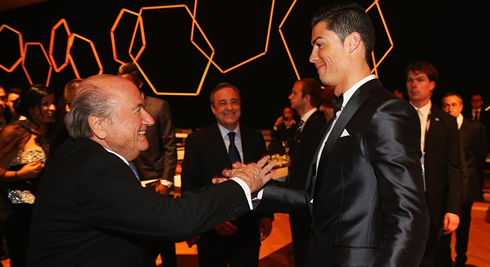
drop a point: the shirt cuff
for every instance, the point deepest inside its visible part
(246, 190)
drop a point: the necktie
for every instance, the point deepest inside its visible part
(232, 149)
(337, 103)
(476, 116)
(300, 126)
(133, 168)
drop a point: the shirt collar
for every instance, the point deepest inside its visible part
(348, 94)
(459, 119)
(121, 157)
(308, 114)
(224, 132)
(425, 109)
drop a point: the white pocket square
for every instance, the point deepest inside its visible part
(344, 133)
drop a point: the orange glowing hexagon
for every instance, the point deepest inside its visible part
(140, 26)
(71, 40)
(113, 37)
(21, 49)
(47, 60)
(376, 64)
(51, 45)
(244, 62)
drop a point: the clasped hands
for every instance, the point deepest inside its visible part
(255, 175)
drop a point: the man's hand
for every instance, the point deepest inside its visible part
(191, 242)
(265, 226)
(226, 228)
(451, 223)
(227, 173)
(255, 175)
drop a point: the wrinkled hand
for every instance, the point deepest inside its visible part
(451, 223)
(226, 228)
(12, 140)
(255, 175)
(265, 227)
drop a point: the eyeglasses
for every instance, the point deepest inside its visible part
(224, 103)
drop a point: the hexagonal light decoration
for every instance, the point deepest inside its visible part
(71, 40)
(140, 26)
(113, 37)
(241, 63)
(375, 63)
(21, 49)
(51, 45)
(45, 55)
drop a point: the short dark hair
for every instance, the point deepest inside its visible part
(346, 18)
(219, 87)
(453, 94)
(70, 89)
(131, 69)
(312, 87)
(423, 67)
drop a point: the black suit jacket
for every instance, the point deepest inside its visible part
(205, 157)
(369, 208)
(443, 175)
(160, 159)
(91, 210)
(474, 149)
(304, 147)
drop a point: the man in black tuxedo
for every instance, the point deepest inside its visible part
(305, 98)
(441, 160)
(159, 161)
(90, 209)
(364, 189)
(478, 113)
(209, 151)
(473, 155)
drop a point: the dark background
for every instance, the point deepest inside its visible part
(448, 34)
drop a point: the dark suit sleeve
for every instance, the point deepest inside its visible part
(167, 130)
(393, 144)
(454, 176)
(480, 146)
(191, 175)
(110, 199)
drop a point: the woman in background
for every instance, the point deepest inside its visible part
(283, 132)
(19, 182)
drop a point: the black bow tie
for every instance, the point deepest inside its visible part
(337, 103)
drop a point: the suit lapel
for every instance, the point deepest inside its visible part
(356, 100)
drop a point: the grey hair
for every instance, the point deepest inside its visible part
(90, 100)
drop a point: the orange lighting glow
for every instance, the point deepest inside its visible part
(21, 49)
(47, 60)
(51, 45)
(71, 40)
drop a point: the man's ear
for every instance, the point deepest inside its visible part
(97, 125)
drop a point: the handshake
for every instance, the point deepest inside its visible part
(255, 175)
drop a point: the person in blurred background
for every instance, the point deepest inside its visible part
(474, 144)
(60, 134)
(36, 103)
(305, 97)
(209, 151)
(283, 132)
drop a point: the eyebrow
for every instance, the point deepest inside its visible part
(316, 39)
